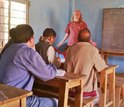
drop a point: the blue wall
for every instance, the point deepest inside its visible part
(49, 13)
(57, 13)
(93, 11)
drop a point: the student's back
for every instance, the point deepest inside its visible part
(84, 58)
(20, 64)
(45, 49)
(13, 66)
(42, 48)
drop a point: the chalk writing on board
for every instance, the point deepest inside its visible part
(113, 29)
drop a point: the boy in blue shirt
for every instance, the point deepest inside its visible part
(20, 64)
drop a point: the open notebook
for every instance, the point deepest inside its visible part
(60, 72)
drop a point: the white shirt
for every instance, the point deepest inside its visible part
(52, 57)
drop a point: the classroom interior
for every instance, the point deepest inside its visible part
(41, 14)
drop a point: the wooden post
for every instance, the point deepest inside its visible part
(63, 95)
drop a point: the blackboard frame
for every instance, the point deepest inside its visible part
(110, 42)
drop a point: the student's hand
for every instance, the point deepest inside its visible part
(58, 58)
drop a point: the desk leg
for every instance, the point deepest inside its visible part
(79, 96)
(112, 88)
(63, 95)
(103, 89)
(117, 96)
(23, 102)
(122, 95)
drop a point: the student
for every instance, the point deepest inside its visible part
(73, 28)
(20, 64)
(84, 58)
(12, 32)
(45, 49)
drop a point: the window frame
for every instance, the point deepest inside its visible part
(25, 2)
(27, 11)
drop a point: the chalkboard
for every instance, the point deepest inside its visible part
(113, 30)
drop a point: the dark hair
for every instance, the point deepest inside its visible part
(12, 33)
(40, 38)
(24, 32)
(83, 38)
(49, 32)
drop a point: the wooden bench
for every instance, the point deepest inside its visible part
(107, 85)
(47, 91)
(119, 85)
(53, 92)
(107, 82)
(13, 97)
(62, 85)
(86, 101)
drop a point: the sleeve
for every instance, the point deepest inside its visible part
(34, 63)
(9, 43)
(68, 63)
(99, 62)
(67, 30)
(52, 57)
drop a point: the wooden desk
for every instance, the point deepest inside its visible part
(64, 83)
(106, 54)
(13, 97)
(107, 86)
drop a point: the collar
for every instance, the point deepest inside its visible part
(85, 43)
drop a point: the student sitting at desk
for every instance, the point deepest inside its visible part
(20, 63)
(45, 49)
(84, 58)
(12, 33)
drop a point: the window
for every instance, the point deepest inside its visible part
(12, 13)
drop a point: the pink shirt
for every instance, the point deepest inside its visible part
(73, 29)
